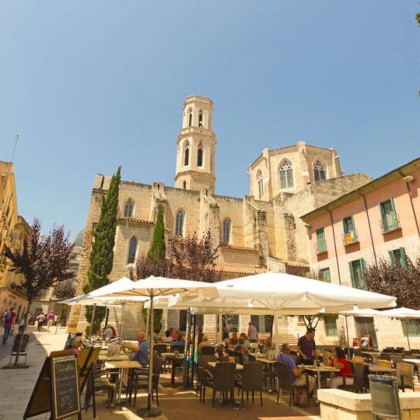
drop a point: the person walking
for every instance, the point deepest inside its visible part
(8, 317)
(252, 333)
(41, 319)
(50, 320)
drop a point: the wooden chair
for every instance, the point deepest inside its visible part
(405, 375)
(384, 363)
(250, 380)
(222, 379)
(285, 382)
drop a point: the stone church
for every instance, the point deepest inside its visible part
(258, 232)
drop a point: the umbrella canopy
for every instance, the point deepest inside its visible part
(361, 312)
(151, 288)
(280, 293)
(401, 313)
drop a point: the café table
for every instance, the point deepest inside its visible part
(237, 365)
(269, 363)
(121, 365)
(413, 361)
(382, 369)
(176, 361)
(320, 370)
(374, 355)
(105, 358)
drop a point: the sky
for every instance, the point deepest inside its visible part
(90, 86)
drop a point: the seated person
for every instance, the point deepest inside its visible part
(204, 343)
(339, 361)
(296, 373)
(141, 350)
(77, 344)
(267, 346)
(179, 340)
(243, 349)
(221, 351)
(168, 337)
(233, 340)
(246, 341)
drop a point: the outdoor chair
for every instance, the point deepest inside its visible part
(238, 357)
(21, 347)
(360, 375)
(250, 380)
(160, 348)
(177, 347)
(384, 363)
(405, 375)
(397, 358)
(139, 379)
(202, 364)
(207, 351)
(101, 382)
(385, 356)
(221, 380)
(284, 382)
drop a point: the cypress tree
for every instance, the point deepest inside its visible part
(102, 254)
(157, 250)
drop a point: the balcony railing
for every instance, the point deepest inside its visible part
(390, 222)
(350, 238)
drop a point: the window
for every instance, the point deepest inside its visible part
(319, 171)
(132, 248)
(179, 227)
(200, 119)
(190, 119)
(397, 257)
(320, 241)
(389, 216)
(357, 270)
(226, 231)
(128, 208)
(324, 274)
(350, 236)
(183, 320)
(331, 326)
(412, 327)
(184, 185)
(286, 175)
(260, 184)
(200, 155)
(263, 323)
(187, 154)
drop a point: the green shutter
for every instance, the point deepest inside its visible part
(363, 270)
(402, 257)
(392, 257)
(351, 273)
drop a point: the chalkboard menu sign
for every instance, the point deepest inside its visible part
(65, 387)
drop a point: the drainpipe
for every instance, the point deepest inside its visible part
(335, 247)
(370, 229)
(407, 179)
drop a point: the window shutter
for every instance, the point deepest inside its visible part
(351, 273)
(363, 265)
(402, 257)
(392, 258)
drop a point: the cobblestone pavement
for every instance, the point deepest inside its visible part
(17, 386)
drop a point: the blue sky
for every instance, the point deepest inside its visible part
(94, 85)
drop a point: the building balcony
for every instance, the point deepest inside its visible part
(390, 222)
(350, 238)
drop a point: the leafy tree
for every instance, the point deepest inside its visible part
(102, 254)
(66, 289)
(43, 261)
(396, 280)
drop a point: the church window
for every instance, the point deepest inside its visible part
(286, 175)
(200, 155)
(184, 185)
(132, 248)
(190, 119)
(128, 208)
(226, 231)
(179, 226)
(319, 171)
(200, 119)
(187, 154)
(260, 185)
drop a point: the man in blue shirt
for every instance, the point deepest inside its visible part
(295, 372)
(141, 350)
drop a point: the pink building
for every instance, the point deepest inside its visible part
(379, 220)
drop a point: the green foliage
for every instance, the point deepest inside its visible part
(102, 254)
(157, 250)
(395, 280)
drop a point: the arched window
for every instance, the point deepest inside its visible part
(226, 231)
(128, 208)
(260, 185)
(187, 154)
(200, 119)
(179, 226)
(286, 175)
(190, 119)
(184, 185)
(319, 171)
(200, 155)
(132, 248)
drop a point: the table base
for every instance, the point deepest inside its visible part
(149, 412)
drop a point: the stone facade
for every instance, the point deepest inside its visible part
(256, 232)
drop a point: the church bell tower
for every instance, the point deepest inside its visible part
(196, 146)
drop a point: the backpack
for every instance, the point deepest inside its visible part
(301, 398)
(7, 316)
